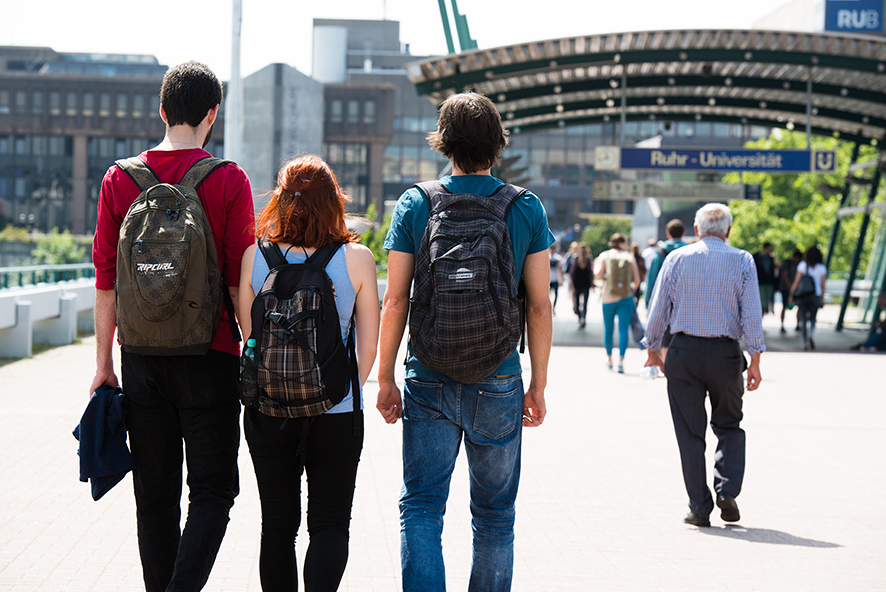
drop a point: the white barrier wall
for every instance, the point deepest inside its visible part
(45, 313)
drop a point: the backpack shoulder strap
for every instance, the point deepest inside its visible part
(271, 252)
(323, 255)
(139, 171)
(200, 170)
(510, 194)
(432, 190)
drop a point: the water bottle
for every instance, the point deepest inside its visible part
(651, 373)
(249, 376)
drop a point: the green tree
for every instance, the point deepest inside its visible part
(797, 211)
(596, 234)
(374, 237)
(57, 248)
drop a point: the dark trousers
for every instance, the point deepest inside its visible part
(580, 302)
(697, 367)
(171, 400)
(332, 455)
(808, 311)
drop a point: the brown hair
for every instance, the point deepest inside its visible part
(675, 228)
(617, 239)
(469, 132)
(188, 92)
(307, 208)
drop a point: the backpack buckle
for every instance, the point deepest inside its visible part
(172, 214)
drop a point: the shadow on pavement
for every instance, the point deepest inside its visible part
(766, 535)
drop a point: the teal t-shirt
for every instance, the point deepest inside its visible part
(527, 224)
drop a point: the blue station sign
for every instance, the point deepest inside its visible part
(764, 161)
(854, 16)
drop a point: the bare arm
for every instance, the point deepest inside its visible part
(105, 313)
(635, 269)
(395, 310)
(599, 266)
(245, 294)
(361, 269)
(539, 332)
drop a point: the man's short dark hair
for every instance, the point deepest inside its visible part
(675, 228)
(188, 92)
(469, 132)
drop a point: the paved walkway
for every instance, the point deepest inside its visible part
(601, 498)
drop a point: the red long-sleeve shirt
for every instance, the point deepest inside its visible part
(226, 196)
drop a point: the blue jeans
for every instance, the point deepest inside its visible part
(624, 310)
(436, 415)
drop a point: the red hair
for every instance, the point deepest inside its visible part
(307, 208)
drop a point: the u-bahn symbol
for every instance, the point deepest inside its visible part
(824, 162)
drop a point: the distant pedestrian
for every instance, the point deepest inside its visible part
(557, 274)
(675, 230)
(582, 279)
(766, 276)
(568, 258)
(621, 276)
(708, 294)
(786, 275)
(809, 302)
(649, 252)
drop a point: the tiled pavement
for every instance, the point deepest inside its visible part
(601, 498)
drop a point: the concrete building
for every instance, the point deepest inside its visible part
(64, 118)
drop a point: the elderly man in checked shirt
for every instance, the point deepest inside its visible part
(707, 292)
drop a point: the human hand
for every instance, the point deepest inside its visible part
(103, 377)
(754, 377)
(653, 358)
(534, 409)
(389, 403)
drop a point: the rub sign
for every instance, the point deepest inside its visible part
(860, 16)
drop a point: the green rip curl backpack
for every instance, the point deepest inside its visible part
(169, 289)
(466, 314)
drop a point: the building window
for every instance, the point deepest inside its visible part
(120, 150)
(55, 103)
(57, 145)
(21, 187)
(71, 104)
(88, 104)
(104, 105)
(335, 111)
(369, 111)
(37, 102)
(4, 145)
(4, 102)
(353, 111)
(138, 106)
(21, 102)
(154, 110)
(39, 145)
(21, 146)
(122, 109)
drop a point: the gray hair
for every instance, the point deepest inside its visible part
(713, 218)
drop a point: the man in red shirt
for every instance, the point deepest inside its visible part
(174, 399)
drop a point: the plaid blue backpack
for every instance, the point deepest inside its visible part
(466, 315)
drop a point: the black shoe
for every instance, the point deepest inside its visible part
(811, 343)
(728, 508)
(697, 519)
(782, 331)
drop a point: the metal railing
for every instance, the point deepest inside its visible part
(35, 274)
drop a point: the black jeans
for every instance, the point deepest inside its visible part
(333, 452)
(170, 400)
(697, 368)
(580, 302)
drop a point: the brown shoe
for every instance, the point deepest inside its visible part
(728, 508)
(697, 519)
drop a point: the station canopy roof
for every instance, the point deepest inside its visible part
(752, 77)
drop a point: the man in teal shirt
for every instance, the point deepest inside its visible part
(438, 412)
(674, 231)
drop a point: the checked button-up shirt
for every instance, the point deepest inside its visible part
(707, 289)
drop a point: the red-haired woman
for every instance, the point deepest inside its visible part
(306, 212)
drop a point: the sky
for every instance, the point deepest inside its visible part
(278, 31)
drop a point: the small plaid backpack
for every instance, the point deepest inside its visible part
(304, 369)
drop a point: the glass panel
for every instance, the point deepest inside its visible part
(88, 104)
(353, 111)
(70, 104)
(37, 102)
(55, 103)
(4, 102)
(335, 111)
(138, 106)
(122, 109)
(104, 105)
(391, 166)
(154, 107)
(21, 102)
(369, 111)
